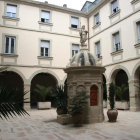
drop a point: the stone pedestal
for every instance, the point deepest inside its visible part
(83, 78)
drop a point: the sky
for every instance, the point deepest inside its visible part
(74, 4)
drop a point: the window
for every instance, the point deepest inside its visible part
(75, 49)
(45, 46)
(11, 11)
(116, 42)
(114, 7)
(74, 22)
(96, 19)
(9, 45)
(45, 16)
(98, 52)
(139, 32)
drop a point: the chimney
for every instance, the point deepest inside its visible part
(65, 5)
(85, 10)
(46, 2)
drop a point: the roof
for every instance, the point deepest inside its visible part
(85, 4)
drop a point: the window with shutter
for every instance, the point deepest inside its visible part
(75, 49)
(116, 42)
(97, 19)
(98, 52)
(114, 7)
(74, 22)
(45, 16)
(139, 32)
(11, 11)
(45, 45)
(9, 45)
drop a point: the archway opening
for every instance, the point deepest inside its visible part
(43, 79)
(12, 79)
(104, 88)
(122, 78)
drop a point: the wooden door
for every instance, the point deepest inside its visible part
(93, 96)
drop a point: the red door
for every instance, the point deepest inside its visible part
(93, 95)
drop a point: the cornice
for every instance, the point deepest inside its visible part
(49, 6)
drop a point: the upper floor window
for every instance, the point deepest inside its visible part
(116, 41)
(45, 16)
(96, 17)
(11, 11)
(98, 50)
(75, 49)
(139, 32)
(45, 46)
(74, 22)
(115, 6)
(9, 45)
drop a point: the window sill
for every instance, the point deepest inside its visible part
(96, 25)
(99, 58)
(12, 18)
(111, 16)
(137, 45)
(45, 57)
(117, 52)
(134, 1)
(44, 23)
(77, 29)
(8, 55)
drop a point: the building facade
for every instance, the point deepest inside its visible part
(37, 40)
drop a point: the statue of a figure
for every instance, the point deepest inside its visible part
(83, 35)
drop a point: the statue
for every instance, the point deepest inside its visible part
(83, 35)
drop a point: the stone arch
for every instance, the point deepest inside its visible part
(105, 77)
(65, 77)
(115, 70)
(19, 73)
(134, 72)
(45, 71)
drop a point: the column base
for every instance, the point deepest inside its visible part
(100, 119)
(27, 108)
(134, 109)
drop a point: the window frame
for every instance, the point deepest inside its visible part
(45, 10)
(115, 8)
(50, 48)
(71, 44)
(95, 23)
(79, 20)
(74, 50)
(4, 35)
(45, 18)
(14, 4)
(94, 44)
(98, 55)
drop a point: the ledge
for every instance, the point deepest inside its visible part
(44, 23)
(45, 57)
(6, 17)
(117, 52)
(99, 58)
(137, 45)
(111, 16)
(77, 29)
(94, 27)
(134, 1)
(8, 55)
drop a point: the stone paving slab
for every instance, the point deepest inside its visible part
(42, 125)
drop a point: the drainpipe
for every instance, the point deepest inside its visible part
(88, 33)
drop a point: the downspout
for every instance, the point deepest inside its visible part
(88, 33)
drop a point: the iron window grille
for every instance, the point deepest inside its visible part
(117, 46)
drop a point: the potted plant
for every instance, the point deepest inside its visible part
(104, 103)
(76, 107)
(43, 91)
(60, 98)
(122, 104)
(112, 113)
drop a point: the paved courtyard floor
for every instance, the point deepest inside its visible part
(42, 125)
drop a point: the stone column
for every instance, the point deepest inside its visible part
(134, 95)
(27, 106)
(87, 110)
(107, 88)
(100, 101)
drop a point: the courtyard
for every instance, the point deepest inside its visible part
(42, 125)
